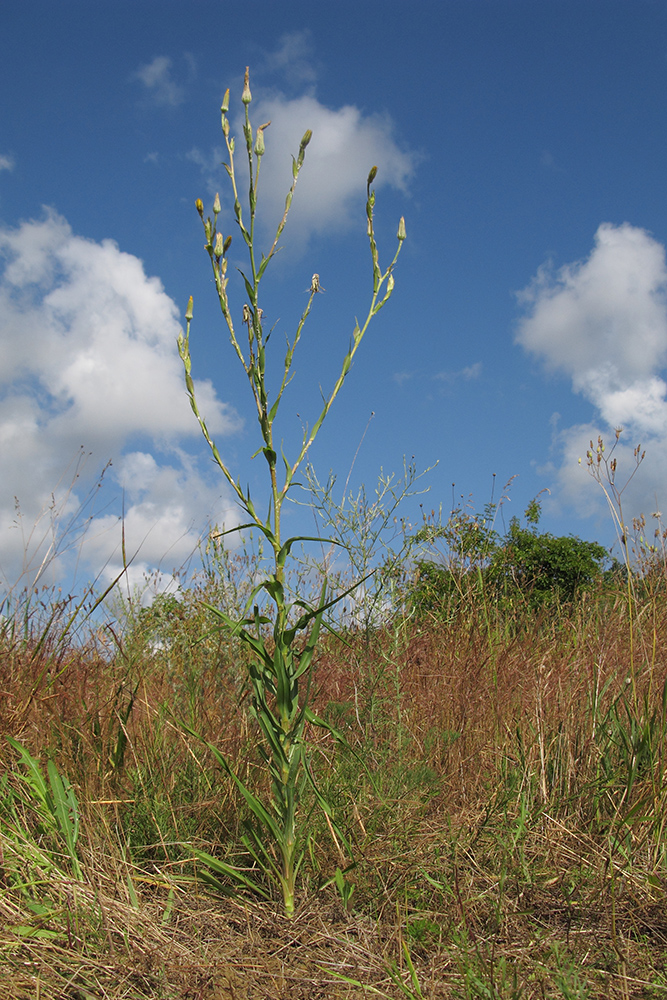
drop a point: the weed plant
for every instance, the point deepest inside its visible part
(280, 664)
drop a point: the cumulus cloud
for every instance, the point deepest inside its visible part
(346, 143)
(603, 322)
(6, 162)
(88, 360)
(161, 88)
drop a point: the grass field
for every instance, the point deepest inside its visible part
(502, 786)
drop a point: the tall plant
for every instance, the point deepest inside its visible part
(282, 642)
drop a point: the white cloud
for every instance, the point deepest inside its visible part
(345, 145)
(331, 189)
(7, 162)
(603, 322)
(88, 358)
(293, 58)
(468, 373)
(160, 85)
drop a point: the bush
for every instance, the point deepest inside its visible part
(543, 567)
(539, 568)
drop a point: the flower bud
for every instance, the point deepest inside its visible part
(224, 108)
(371, 176)
(401, 229)
(199, 205)
(216, 204)
(188, 311)
(219, 245)
(259, 141)
(225, 126)
(298, 163)
(246, 96)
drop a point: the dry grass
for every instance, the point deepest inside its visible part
(508, 820)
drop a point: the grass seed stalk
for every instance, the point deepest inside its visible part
(282, 642)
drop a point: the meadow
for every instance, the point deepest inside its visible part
(500, 785)
(429, 765)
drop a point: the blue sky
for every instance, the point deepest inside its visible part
(524, 143)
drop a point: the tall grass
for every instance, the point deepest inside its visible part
(504, 794)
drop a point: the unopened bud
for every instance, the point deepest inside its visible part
(372, 175)
(246, 96)
(225, 126)
(199, 205)
(188, 311)
(401, 229)
(219, 245)
(228, 243)
(298, 163)
(259, 140)
(216, 203)
(224, 107)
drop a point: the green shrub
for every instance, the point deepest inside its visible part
(524, 568)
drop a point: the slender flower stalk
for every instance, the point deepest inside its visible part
(279, 672)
